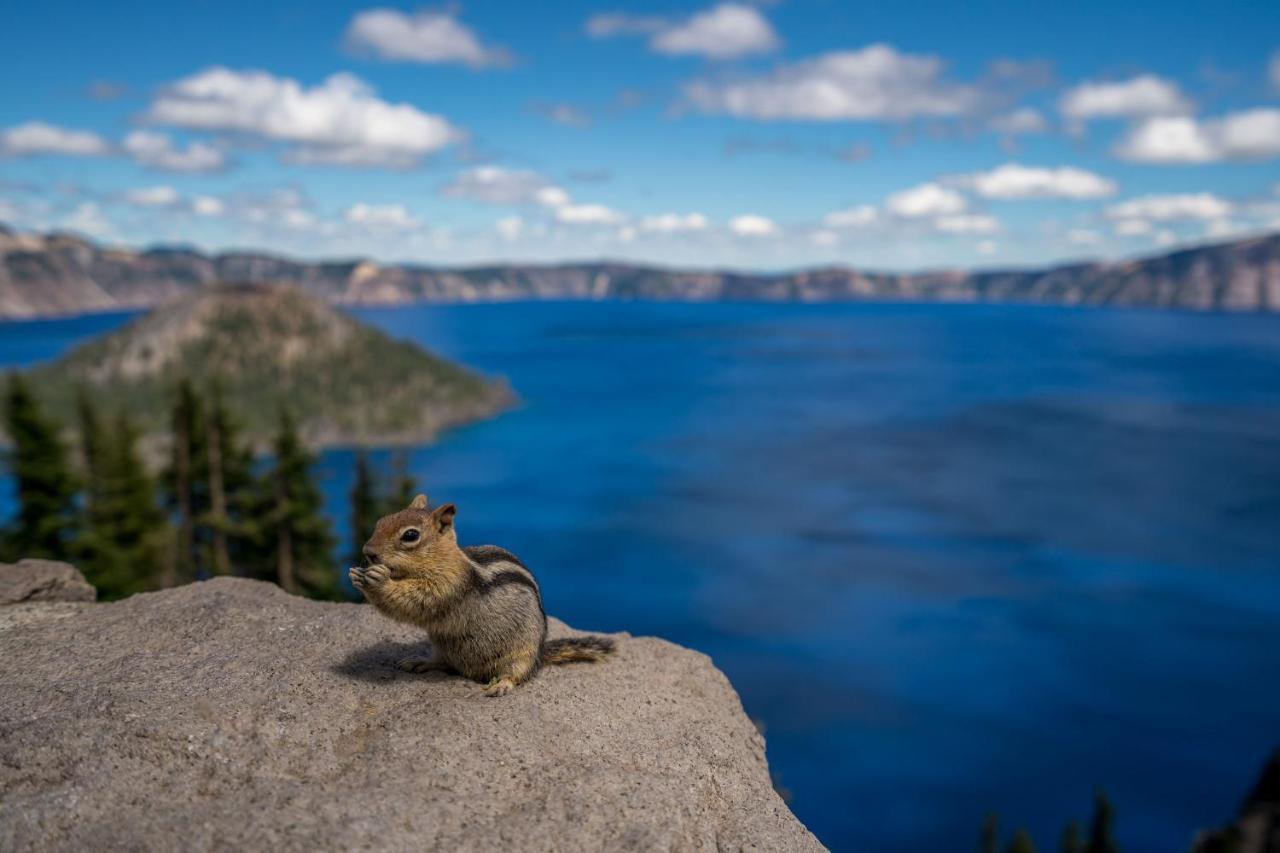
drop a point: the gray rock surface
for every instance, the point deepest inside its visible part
(228, 715)
(42, 580)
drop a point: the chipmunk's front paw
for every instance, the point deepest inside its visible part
(369, 579)
(499, 687)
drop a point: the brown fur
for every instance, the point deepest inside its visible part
(480, 606)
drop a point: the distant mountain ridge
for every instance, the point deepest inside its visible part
(61, 274)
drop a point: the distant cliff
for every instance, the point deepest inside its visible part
(60, 274)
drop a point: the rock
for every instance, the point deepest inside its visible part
(42, 580)
(230, 715)
(1257, 829)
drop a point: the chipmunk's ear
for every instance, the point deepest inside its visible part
(420, 502)
(443, 517)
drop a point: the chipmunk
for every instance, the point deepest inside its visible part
(480, 605)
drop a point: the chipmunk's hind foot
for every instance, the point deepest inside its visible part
(422, 664)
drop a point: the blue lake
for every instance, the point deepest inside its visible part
(956, 559)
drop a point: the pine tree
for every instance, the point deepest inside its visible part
(122, 548)
(1021, 843)
(989, 840)
(1071, 842)
(298, 536)
(365, 507)
(225, 474)
(1101, 839)
(92, 440)
(45, 525)
(185, 496)
(402, 488)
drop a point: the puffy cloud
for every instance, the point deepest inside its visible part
(725, 31)
(924, 201)
(1165, 208)
(1144, 95)
(874, 83)
(588, 214)
(87, 218)
(609, 24)
(1132, 227)
(987, 247)
(157, 151)
(967, 223)
(391, 217)
(496, 185)
(509, 227)
(1083, 237)
(751, 225)
(854, 217)
(565, 114)
(160, 196)
(1014, 181)
(207, 205)
(37, 137)
(341, 121)
(1019, 122)
(1248, 135)
(423, 37)
(669, 223)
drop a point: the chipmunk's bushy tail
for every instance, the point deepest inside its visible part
(573, 649)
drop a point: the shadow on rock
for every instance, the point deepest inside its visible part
(378, 662)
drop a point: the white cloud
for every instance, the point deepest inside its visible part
(987, 247)
(723, 32)
(1132, 227)
(390, 217)
(207, 205)
(874, 83)
(37, 137)
(967, 223)
(608, 24)
(751, 225)
(422, 37)
(1144, 95)
(157, 151)
(588, 214)
(341, 121)
(1166, 238)
(496, 185)
(924, 201)
(1166, 208)
(670, 223)
(509, 227)
(87, 219)
(564, 114)
(1083, 237)
(1015, 181)
(160, 196)
(854, 217)
(1248, 135)
(1019, 122)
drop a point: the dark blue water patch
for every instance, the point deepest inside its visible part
(955, 558)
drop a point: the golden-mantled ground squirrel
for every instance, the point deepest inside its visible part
(480, 605)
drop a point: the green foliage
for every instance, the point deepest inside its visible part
(45, 525)
(989, 840)
(1101, 839)
(365, 507)
(121, 550)
(1071, 840)
(1021, 843)
(295, 533)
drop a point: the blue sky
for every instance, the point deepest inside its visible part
(769, 135)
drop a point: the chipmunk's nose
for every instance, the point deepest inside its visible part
(370, 555)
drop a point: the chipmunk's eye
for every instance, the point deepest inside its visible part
(409, 535)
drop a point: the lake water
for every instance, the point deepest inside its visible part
(955, 558)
